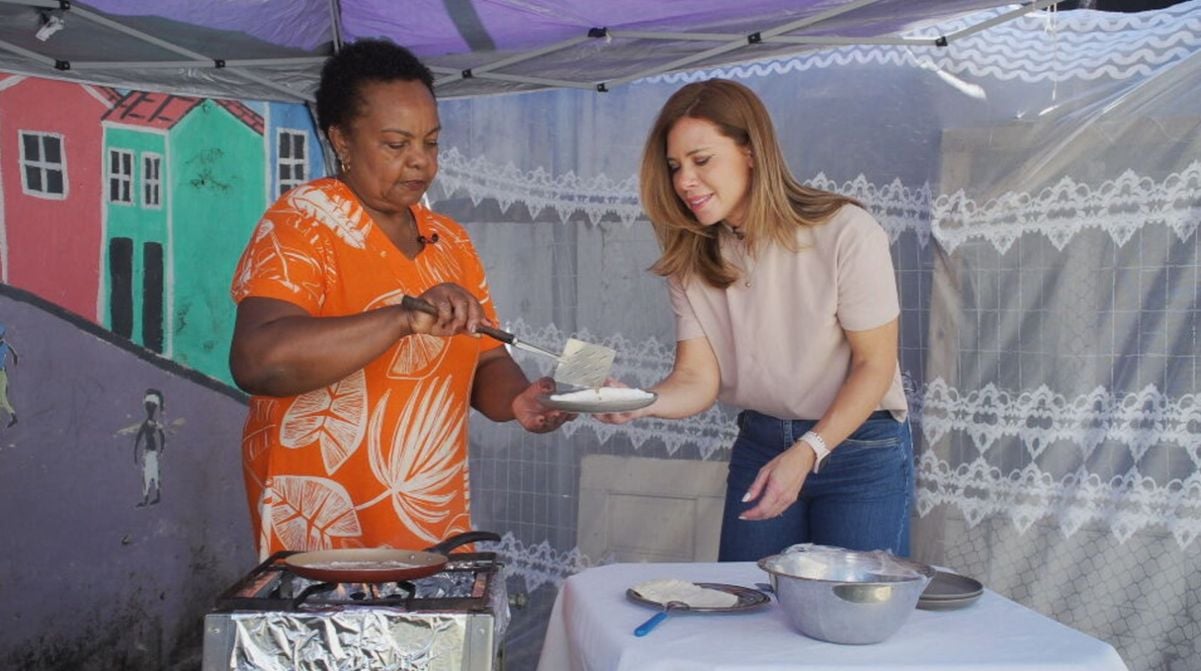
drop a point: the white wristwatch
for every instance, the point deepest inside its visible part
(818, 445)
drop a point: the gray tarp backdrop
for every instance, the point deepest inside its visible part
(1041, 184)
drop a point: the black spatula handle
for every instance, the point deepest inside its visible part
(412, 303)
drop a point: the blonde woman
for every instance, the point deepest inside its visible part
(786, 307)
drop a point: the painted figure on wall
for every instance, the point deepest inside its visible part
(148, 445)
(5, 349)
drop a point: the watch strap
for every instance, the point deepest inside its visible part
(820, 451)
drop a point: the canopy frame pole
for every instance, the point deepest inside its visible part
(824, 40)
(31, 55)
(199, 63)
(999, 19)
(837, 41)
(40, 4)
(482, 70)
(93, 17)
(737, 44)
(335, 24)
(175, 48)
(525, 79)
(685, 37)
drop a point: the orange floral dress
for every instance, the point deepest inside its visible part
(378, 459)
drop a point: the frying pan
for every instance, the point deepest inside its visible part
(379, 564)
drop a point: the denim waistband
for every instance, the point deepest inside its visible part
(879, 414)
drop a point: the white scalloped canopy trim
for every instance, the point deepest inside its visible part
(1047, 46)
(1125, 504)
(1120, 206)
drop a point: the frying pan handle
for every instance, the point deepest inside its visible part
(462, 539)
(413, 303)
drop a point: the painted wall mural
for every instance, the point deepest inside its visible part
(130, 208)
(7, 351)
(122, 215)
(106, 425)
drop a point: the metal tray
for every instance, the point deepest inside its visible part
(948, 591)
(748, 599)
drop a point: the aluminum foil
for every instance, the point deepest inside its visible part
(349, 639)
(353, 638)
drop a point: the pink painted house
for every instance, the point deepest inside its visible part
(51, 176)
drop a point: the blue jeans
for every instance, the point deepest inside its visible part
(860, 500)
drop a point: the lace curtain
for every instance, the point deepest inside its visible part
(1041, 184)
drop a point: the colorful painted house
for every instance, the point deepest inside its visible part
(50, 177)
(183, 189)
(294, 147)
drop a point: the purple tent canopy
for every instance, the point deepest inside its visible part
(273, 48)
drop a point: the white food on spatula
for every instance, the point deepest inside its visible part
(663, 591)
(602, 394)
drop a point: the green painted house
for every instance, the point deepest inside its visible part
(185, 184)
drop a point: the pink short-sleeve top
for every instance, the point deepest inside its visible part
(778, 331)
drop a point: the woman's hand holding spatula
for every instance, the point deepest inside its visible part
(509, 395)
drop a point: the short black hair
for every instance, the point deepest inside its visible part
(360, 62)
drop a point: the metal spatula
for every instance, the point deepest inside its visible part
(581, 364)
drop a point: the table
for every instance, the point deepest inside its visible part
(592, 623)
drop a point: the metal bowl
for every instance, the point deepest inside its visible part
(843, 596)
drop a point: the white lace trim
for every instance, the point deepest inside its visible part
(538, 190)
(538, 564)
(1120, 207)
(1047, 46)
(898, 207)
(1125, 504)
(1041, 417)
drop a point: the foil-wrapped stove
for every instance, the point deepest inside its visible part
(272, 619)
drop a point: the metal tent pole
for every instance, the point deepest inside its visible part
(743, 41)
(88, 15)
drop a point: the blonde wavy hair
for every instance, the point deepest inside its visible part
(776, 202)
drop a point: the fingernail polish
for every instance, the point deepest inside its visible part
(746, 497)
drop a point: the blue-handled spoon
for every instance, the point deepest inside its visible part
(646, 627)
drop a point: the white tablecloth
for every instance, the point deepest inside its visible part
(592, 624)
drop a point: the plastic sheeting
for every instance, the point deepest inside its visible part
(1042, 188)
(272, 49)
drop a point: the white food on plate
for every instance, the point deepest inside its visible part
(602, 394)
(665, 590)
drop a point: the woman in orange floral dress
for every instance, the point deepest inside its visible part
(357, 429)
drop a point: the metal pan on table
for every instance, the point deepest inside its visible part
(950, 591)
(369, 565)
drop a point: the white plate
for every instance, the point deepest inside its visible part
(594, 405)
(747, 598)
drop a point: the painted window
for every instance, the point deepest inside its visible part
(152, 180)
(292, 159)
(120, 176)
(43, 165)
